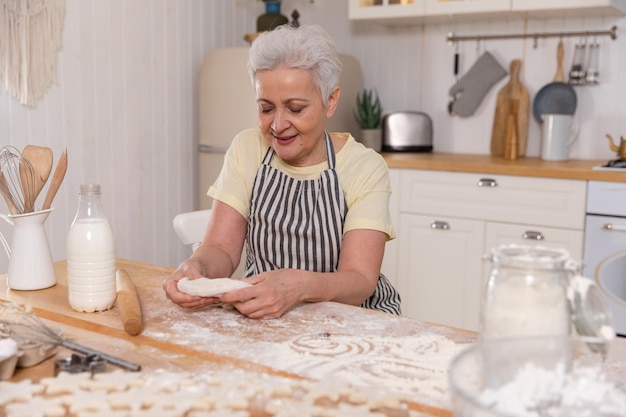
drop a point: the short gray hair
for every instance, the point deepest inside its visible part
(306, 47)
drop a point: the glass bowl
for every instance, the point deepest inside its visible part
(8, 358)
(530, 377)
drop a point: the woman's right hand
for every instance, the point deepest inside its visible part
(217, 256)
(190, 268)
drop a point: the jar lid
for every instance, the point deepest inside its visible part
(532, 256)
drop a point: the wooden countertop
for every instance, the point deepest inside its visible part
(329, 342)
(576, 169)
(315, 341)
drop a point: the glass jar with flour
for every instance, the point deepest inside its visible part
(536, 291)
(525, 294)
(90, 255)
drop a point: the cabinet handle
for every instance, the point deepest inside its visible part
(439, 225)
(532, 235)
(487, 182)
(611, 226)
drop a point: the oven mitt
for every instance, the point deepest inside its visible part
(472, 88)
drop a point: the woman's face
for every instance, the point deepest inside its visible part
(292, 115)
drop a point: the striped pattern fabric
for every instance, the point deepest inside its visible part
(385, 297)
(298, 224)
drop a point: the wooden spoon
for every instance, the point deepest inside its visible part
(57, 179)
(40, 157)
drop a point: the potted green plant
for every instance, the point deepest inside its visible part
(368, 114)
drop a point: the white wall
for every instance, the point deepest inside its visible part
(126, 105)
(125, 108)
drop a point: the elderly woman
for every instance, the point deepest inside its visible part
(311, 207)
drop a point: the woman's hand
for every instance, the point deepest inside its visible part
(190, 268)
(275, 292)
(217, 256)
(270, 296)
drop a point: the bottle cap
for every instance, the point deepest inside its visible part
(90, 189)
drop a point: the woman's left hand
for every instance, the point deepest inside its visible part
(270, 296)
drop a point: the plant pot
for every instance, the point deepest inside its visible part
(372, 138)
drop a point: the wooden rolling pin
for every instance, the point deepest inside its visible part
(128, 303)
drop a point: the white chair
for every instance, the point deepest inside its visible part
(611, 278)
(190, 227)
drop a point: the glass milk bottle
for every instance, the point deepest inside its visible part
(90, 255)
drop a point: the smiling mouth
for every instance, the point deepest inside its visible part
(284, 138)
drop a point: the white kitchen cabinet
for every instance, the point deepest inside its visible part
(502, 233)
(543, 8)
(449, 221)
(406, 11)
(401, 10)
(455, 7)
(503, 198)
(440, 269)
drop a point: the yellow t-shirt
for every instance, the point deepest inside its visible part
(362, 172)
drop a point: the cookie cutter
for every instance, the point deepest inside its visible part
(80, 363)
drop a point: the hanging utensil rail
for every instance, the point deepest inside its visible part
(452, 38)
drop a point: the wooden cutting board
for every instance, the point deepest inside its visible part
(512, 90)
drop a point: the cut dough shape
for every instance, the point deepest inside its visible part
(36, 407)
(66, 383)
(18, 391)
(225, 393)
(117, 380)
(210, 287)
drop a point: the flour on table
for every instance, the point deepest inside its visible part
(536, 391)
(210, 287)
(323, 342)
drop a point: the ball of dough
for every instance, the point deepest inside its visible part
(210, 287)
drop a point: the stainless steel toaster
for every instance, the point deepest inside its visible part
(407, 131)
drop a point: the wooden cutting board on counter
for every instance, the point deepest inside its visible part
(512, 90)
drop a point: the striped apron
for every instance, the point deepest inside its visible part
(299, 225)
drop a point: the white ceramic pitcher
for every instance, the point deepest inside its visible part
(559, 132)
(30, 260)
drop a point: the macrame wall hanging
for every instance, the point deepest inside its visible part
(30, 37)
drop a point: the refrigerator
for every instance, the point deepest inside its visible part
(227, 105)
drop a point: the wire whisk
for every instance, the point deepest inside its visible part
(20, 323)
(17, 181)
